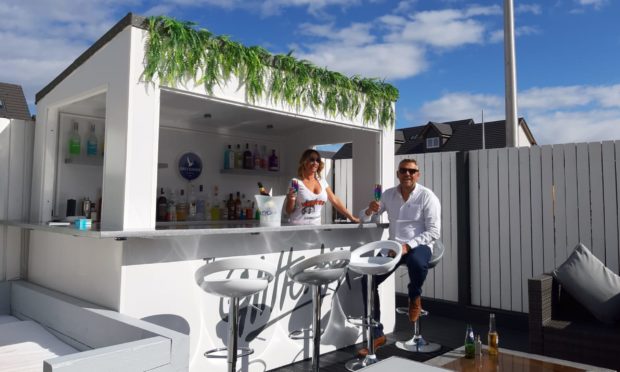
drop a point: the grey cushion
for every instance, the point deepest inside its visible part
(596, 287)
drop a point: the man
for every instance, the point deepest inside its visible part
(414, 213)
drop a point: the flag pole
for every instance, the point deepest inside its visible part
(510, 75)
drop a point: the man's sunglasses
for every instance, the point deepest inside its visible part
(411, 171)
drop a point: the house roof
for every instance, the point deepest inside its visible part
(13, 102)
(466, 135)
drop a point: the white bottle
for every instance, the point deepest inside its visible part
(192, 204)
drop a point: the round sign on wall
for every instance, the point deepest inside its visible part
(190, 166)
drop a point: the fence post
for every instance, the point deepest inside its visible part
(463, 248)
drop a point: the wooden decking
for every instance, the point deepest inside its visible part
(449, 332)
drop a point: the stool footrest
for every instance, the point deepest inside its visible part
(297, 334)
(361, 322)
(241, 352)
(405, 311)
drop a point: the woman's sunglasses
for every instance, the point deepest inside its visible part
(314, 160)
(411, 171)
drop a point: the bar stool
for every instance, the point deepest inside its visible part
(234, 289)
(371, 266)
(417, 344)
(315, 272)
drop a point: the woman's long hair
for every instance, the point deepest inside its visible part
(304, 158)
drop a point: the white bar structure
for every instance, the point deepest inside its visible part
(146, 271)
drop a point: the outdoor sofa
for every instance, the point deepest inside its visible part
(44, 330)
(562, 328)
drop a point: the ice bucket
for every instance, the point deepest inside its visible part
(270, 208)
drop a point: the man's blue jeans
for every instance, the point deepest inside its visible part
(417, 265)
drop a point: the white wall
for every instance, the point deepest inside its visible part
(16, 142)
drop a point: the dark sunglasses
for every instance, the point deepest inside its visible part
(411, 171)
(314, 160)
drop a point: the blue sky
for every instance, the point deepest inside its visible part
(445, 56)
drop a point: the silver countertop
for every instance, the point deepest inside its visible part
(167, 230)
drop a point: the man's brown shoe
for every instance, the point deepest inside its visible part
(415, 308)
(379, 341)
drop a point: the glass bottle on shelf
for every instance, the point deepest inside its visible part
(162, 205)
(237, 207)
(215, 206)
(274, 162)
(230, 208)
(75, 140)
(192, 207)
(256, 157)
(91, 142)
(264, 162)
(248, 160)
(182, 209)
(229, 158)
(238, 157)
(171, 213)
(493, 336)
(202, 205)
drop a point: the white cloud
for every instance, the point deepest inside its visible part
(555, 114)
(528, 8)
(497, 36)
(594, 3)
(355, 34)
(383, 60)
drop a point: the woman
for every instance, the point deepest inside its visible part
(304, 206)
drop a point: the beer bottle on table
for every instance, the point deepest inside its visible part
(470, 347)
(493, 337)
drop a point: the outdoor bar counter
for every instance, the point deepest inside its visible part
(146, 136)
(150, 275)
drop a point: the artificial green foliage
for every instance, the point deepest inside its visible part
(177, 52)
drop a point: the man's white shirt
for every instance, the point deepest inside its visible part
(416, 221)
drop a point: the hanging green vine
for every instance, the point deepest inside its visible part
(177, 51)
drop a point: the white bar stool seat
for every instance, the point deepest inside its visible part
(417, 344)
(365, 261)
(317, 271)
(234, 288)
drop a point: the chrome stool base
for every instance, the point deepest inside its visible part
(356, 364)
(418, 344)
(241, 352)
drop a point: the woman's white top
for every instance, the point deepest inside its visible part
(308, 205)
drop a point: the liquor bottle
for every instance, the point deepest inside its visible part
(493, 336)
(249, 210)
(171, 214)
(257, 157)
(248, 160)
(478, 347)
(274, 162)
(264, 162)
(181, 206)
(202, 205)
(192, 204)
(215, 206)
(75, 140)
(262, 190)
(230, 208)
(162, 205)
(229, 158)
(238, 207)
(238, 157)
(91, 143)
(470, 347)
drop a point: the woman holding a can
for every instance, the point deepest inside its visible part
(309, 192)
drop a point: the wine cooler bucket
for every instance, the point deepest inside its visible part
(270, 208)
